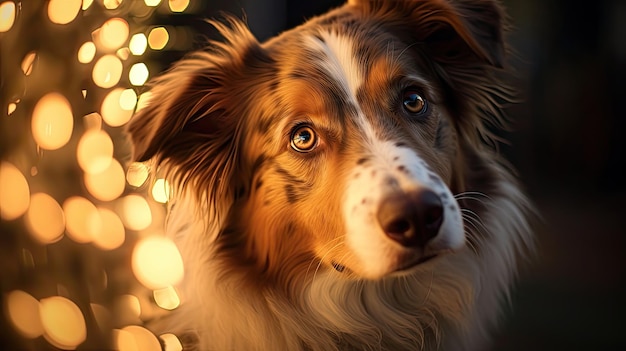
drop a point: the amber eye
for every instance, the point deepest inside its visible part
(413, 102)
(303, 139)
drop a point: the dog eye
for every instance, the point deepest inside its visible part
(413, 102)
(303, 139)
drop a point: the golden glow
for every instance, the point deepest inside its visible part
(144, 99)
(63, 322)
(22, 310)
(107, 71)
(27, 63)
(171, 342)
(158, 38)
(87, 52)
(112, 4)
(144, 339)
(112, 234)
(95, 151)
(128, 99)
(127, 309)
(52, 122)
(113, 34)
(63, 11)
(166, 298)
(14, 192)
(137, 174)
(93, 121)
(135, 212)
(178, 5)
(11, 108)
(138, 44)
(7, 15)
(82, 219)
(152, 3)
(138, 74)
(87, 3)
(157, 263)
(161, 191)
(112, 109)
(107, 185)
(44, 218)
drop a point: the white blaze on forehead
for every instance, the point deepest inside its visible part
(339, 60)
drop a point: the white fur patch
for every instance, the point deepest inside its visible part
(342, 64)
(392, 168)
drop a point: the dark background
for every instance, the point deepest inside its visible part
(569, 146)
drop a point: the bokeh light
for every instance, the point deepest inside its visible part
(14, 192)
(52, 122)
(152, 3)
(157, 263)
(87, 52)
(138, 44)
(27, 63)
(112, 234)
(63, 11)
(113, 108)
(138, 74)
(44, 218)
(107, 71)
(112, 35)
(128, 99)
(95, 151)
(172, 343)
(82, 219)
(112, 4)
(158, 38)
(134, 337)
(178, 5)
(63, 322)
(135, 212)
(7, 16)
(86, 4)
(107, 185)
(161, 191)
(137, 174)
(166, 298)
(22, 311)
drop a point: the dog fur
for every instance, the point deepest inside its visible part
(283, 245)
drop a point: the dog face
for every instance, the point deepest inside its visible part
(337, 145)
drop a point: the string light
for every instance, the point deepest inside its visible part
(172, 343)
(87, 52)
(138, 74)
(158, 38)
(107, 185)
(7, 16)
(14, 192)
(157, 263)
(45, 219)
(63, 322)
(63, 11)
(178, 5)
(23, 313)
(52, 122)
(135, 212)
(138, 44)
(114, 109)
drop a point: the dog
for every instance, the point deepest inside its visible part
(337, 187)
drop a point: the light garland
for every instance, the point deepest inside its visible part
(73, 213)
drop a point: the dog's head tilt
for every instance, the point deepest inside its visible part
(333, 187)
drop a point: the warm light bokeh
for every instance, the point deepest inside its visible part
(44, 218)
(178, 5)
(112, 234)
(27, 63)
(63, 322)
(137, 174)
(138, 74)
(113, 34)
(107, 185)
(63, 11)
(166, 298)
(161, 191)
(135, 212)
(158, 38)
(172, 343)
(95, 151)
(82, 219)
(14, 192)
(52, 122)
(138, 44)
(107, 71)
(87, 52)
(7, 16)
(157, 263)
(22, 311)
(114, 108)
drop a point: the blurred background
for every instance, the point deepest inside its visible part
(67, 236)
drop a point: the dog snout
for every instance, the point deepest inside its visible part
(411, 218)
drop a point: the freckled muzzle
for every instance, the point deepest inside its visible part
(411, 218)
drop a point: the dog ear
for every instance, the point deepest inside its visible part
(191, 99)
(452, 30)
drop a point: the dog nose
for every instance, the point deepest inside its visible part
(412, 218)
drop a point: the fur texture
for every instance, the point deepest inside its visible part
(290, 159)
